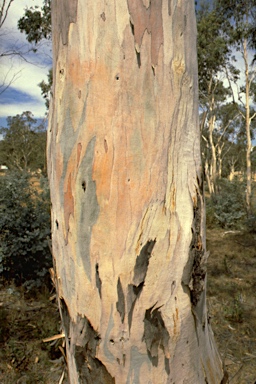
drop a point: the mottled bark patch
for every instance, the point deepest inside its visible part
(147, 18)
(90, 369)
(155, 334)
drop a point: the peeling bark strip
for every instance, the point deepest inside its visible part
(142, 262)
(140, 272)
(198, 252)
(90, 369)
(120, 305)
(147, 19)
(124, 170)
(155, 334)
(194, 274)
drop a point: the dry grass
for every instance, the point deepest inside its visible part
(24, 323)
(232, 301)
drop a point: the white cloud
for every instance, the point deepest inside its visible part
(26, 75)
(17, 109)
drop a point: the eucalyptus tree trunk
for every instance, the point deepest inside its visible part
(128, 230)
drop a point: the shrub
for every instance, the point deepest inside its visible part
(227, 208)
(24, 229)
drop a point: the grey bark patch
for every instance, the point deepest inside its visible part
(137, 360)
(98, 279)
(120, 305)
(155, 334)
(88, 207)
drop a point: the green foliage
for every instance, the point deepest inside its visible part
(23, 144)
(46, 88)
(227, 207)
(36, 23)
(24, 229)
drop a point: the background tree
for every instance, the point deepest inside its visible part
(23, 144)
(127, 205)
(240, 23)
(36, 24)
(214, 55)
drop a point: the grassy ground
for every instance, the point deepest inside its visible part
(26, 321)
(232, 301)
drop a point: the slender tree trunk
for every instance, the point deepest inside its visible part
(213, 163)
(128, 228)
(220, 160)
(248, 132)
(208, 177)
(232, 164)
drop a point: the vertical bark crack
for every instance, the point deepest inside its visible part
(98, 279)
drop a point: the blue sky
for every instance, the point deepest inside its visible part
(23, 94)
